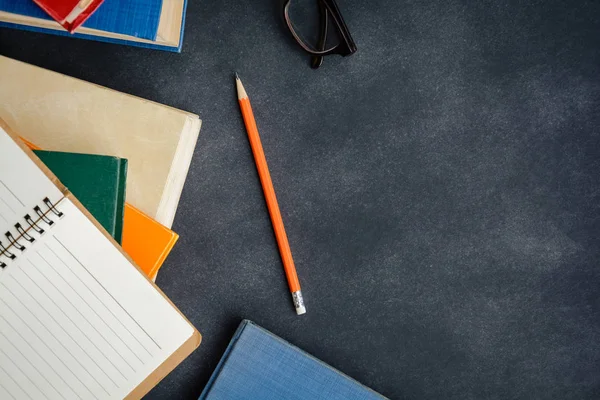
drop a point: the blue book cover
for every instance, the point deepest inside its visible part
(137, 18)
(261, 366)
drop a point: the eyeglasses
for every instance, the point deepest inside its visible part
(302, 17)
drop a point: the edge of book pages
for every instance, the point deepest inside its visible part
(169, 200)
(168, 33)
(185, 149)
(180, 354)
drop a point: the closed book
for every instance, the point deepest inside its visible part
(60, 113)
(155, 24)
(70, 14)
(146, 241)
(259, 365)
(98, 182)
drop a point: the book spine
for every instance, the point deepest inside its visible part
(120, 203)
(22, 237)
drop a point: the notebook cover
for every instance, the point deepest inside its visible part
(137, 18)
(260, 365)
(146, 241)
(61, 9)
(180, 354)
(61, 113)
(97, 181)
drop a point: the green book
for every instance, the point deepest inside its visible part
(98, 182)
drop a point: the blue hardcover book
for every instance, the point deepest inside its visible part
(261, 366)
(145, 23)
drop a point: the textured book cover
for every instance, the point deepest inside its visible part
(69, 13)
(98, 182)
(260, 365)
(135, 18)
(154, 24)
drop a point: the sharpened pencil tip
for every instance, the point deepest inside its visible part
(240, 88)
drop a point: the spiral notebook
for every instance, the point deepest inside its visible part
(77, 319)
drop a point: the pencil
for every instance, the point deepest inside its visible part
(270, 198)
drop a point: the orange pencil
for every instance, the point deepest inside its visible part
(271, 199)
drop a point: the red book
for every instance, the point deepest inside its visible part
(69, 13)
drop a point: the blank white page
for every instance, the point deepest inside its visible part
(77, 320)
(22, 185)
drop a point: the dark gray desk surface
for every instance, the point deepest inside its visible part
(441, 190)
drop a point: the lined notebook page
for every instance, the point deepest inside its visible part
(77, 321)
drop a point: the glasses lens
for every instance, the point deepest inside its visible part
(306, 18)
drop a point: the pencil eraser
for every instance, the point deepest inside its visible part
(301, 310)
(299, 302)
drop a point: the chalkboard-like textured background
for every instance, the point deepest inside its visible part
(441, 190)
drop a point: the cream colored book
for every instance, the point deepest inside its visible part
(78, 320)
(60, 113)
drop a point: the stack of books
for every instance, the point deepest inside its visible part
(125, 159)
(155, 24)
(79, 318)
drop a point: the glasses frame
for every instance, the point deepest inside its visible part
(327, 8)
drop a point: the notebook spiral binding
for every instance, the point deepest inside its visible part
(22, 235)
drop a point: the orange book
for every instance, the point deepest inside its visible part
(146, 241)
